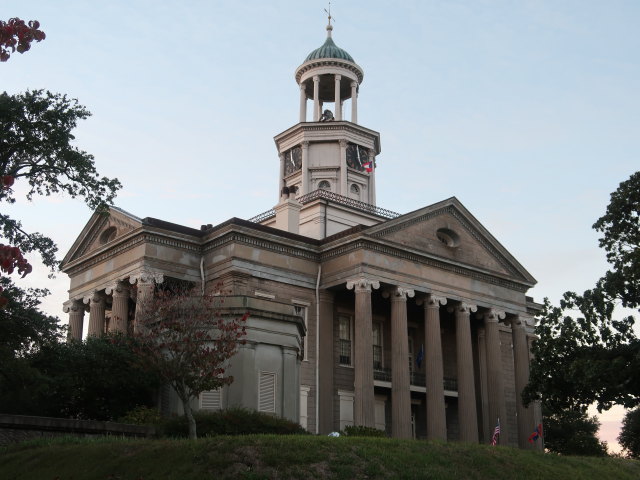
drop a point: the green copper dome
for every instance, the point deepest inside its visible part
(329, 50)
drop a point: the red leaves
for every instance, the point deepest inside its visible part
(7, 181)
(11, 258)
(18, 35)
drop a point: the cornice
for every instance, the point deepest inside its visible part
(329, 62)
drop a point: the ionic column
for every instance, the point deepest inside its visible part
(303, 102)
(325, 363)
(97, 303)
(400, 383)
(75, 309)
(467, 412)
(290, 385)
(364, 403)
(343, 169)
(305, 168)
(495, 384)
(338, 106)
(120, 306)
(145, 285)
(354, 102)
(526, 421)
(436, 413)
(316, 98)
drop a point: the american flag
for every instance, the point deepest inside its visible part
(496, 434)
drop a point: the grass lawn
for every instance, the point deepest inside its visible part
(294, 456)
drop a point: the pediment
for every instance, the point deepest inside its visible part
(449, 231)
(101, 230)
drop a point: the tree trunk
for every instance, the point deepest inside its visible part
(186, 405)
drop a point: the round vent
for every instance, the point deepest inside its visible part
(448, 237)
(108, 235)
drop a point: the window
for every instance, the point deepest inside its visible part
(324, 185)
(211, 400)
(345, 339)
(354, 191)
(267, 392)
(301, 311)
(377, 346)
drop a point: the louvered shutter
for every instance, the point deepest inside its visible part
(267, 392)
(211, 400)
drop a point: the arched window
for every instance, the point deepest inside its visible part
(324, 185)
(354, 191)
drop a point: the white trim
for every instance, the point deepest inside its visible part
(260, 293)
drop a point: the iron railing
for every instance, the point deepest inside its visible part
(417, 379)
(334, 197)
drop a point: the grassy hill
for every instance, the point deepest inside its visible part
(285, 457)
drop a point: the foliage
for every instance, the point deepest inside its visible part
(295, 457)
(17, 35)
(36, 146)
(629, 437)
(233, 421)
(142, 415)
(185, 337)
(620, 227)
(361, 431)
(98, 379)
(573, 432)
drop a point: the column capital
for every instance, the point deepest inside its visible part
(493, 316)
(303, 87)
(434, 301)
(146, 276)
(73, 305)
(305, 144)
(362, 284)
(343, 143)
(354, 84)
(399, 293)
(464, 307)
(117, 288)
(337, 77)
(316, 78)
(94, 298)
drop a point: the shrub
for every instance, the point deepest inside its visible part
(142, 416)
(359, 431)
(233, 421)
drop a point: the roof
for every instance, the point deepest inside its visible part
(329, 50)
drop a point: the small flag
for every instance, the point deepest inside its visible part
(368, 166)
(496, 434)
(420, 356)
(537, 433)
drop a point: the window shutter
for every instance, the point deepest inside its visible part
(267, 392)
(211, 400)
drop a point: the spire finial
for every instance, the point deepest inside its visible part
(329, 26)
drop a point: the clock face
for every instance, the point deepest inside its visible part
(357, 156)
(292, 160)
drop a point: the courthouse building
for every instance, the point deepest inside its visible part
(415, 323)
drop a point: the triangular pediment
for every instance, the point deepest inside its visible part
(449, 231)
(101, 230)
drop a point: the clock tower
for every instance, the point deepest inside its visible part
(325, 150)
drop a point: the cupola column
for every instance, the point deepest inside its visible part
(354, 102)
(316, 98)
(338, 106)
(282, 182)
(343, 168)
(303, 102)
(305, 168)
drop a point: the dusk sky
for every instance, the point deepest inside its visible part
(527, 112)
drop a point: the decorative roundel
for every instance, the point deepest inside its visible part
(108, 235)
(448, 237)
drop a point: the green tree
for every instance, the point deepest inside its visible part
(187, 339)
(629, 437)
(583, 354)
(573, 432)
(98, 379)
(36, 147)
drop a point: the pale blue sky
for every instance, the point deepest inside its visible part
(526, 111)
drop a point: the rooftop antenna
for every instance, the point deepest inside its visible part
(329, 27)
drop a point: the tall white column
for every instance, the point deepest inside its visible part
(436, 413)
(282, 182)
(316, 98)
(343, 169)
(495, 383)
(119, 306)
(467, 411)
(145, 282)
(305, 168)
(303, 103)
(400, 382)
(338, 106)
(354, 102)
(75, 309)
(364, 402)
(97, 303)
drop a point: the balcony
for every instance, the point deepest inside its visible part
(415, 379)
